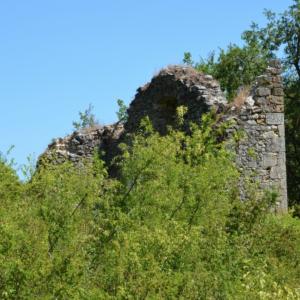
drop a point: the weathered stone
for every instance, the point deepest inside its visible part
(269, 135)
(273, 144)
(257, 109)
(254, 117)
(83, 144)
(277, 92)
(261, 101)
(275, 63)
(276, 173)
(277, 99)
(172, 87)
(263, 91)
(250, 101)
(279, 108)
(273, 71)
(277, 79)
(275, 118)
(264, 80)
(269, 160)
(260, 121)
(281, 130)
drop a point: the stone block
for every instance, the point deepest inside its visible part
(250, 101)
(264, 80)
(276, 173)
(281, 144)
(252, 164)
(276, 79)
(273, 71)
(273, 145)
(281, 130)
(260, 121)
(279, 108)
(263, 91)
(275, 118)
(278, 92)
(277, 99)
(269, 135)
(275, 63)
(260, 101)
(254, 117)
(269, 160)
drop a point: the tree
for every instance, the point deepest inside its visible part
(238, 66)
(122, 112)
(234, 67)
(187, 59)
(281, 31)
(86, 119)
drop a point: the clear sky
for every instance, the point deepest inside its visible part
(58, 56)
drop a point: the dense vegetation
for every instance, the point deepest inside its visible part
(171, 227)
(238, 66)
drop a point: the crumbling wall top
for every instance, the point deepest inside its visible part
(172, 87)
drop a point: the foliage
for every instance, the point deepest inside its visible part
(86, 119)
(171, 226)
(292, 112)
(208, 65)
(29, 168)
(122, 112)
(187, 59)
(44, 231)
(281, 32)
(235, 67)
(4, 157)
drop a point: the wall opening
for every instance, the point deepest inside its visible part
(167, 111)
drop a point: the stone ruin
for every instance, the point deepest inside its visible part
(259, 115)
(172, 87)
(82, 144)
(261, 153)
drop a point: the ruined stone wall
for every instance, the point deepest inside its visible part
(261, 152)
(172, 87)
(259, 117)
(82, 144)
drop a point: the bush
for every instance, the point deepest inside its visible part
(172, 226)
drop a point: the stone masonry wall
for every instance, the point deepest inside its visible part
(260, 118)
(172, 87)
(82, 144)
(261, 152)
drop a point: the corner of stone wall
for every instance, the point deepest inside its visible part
(261, 153)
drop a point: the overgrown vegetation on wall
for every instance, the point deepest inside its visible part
(171, 227)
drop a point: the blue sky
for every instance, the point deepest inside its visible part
(56, 57)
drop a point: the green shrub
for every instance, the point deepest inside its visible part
(171, 226)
